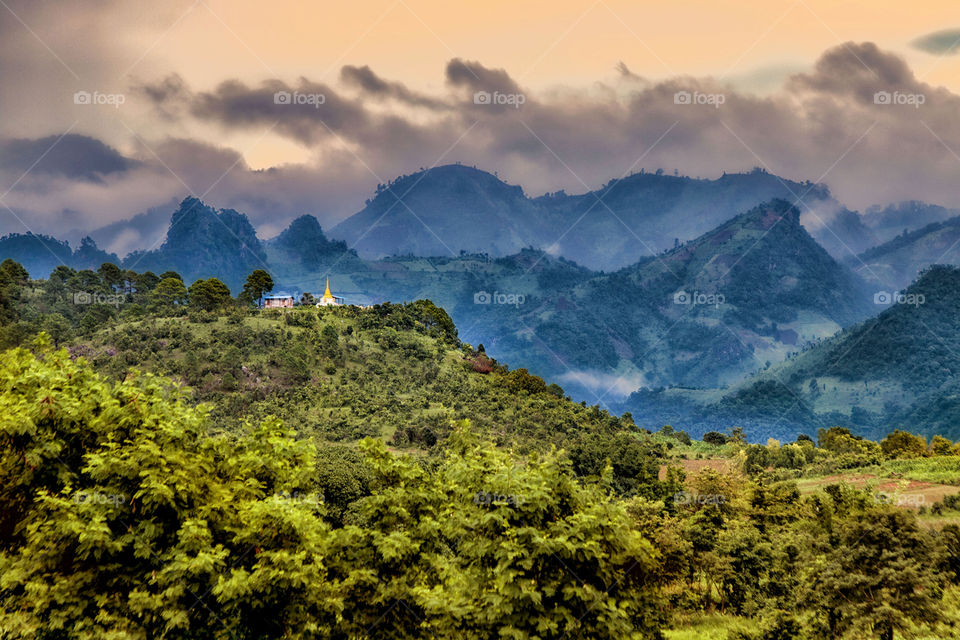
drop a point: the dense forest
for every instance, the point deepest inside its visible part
(176, 462)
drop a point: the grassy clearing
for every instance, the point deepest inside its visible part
(932, 521)
(900, 490)
(713, 626)
(942, 470)
(717, 626)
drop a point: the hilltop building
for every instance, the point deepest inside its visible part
(328, 299)
(278, 300)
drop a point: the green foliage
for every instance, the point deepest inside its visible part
(258, 283)
(123, 517)
(481, 548)
(209, 294)
(876, 576)
(520, 380)
(631, 462)
(127, 511)
(940, 446)
(120, 515)
(901, 444)
(168, 293)
(714, 437)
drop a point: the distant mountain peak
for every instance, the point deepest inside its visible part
(204, 242)
(305, 243)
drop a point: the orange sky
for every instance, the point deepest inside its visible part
(539, 42)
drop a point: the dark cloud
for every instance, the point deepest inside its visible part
(306, 112)
(625, 72)
(476, 77)
(946, 42)
(316, 116)
(168, 96)
(826, 122)
(71, 156)
(373, 85)
(856, 71)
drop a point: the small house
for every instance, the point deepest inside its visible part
(278, 300)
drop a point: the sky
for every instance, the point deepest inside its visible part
(113, 108)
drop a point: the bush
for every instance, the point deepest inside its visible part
(714, 438)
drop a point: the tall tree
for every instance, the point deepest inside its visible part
(168, 293)
(258, 283)
(111, 274)
(209, 294)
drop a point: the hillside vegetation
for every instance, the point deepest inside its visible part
(184, 465)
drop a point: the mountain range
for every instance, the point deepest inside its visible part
(675, 298)
(454, 208)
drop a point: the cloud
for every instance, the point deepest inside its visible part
(946, 42)
(605, 384)
(71, 156)
(826, 124)
(373, 85)
(476, 77)
(309, 119)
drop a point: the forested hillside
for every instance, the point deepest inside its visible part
(896, 370)
(175, 462)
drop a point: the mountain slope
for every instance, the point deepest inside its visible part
(40, 254)
(440, 212)
(897, 262)
(649, 213)
(900, 369)
(605, 335)
(89, 256)
(449, 209)
(892, 220)
(303, 253)
(398, 372)
(203, 242)
(708, 313)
